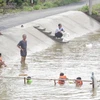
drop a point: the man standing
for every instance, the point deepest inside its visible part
(22, 45)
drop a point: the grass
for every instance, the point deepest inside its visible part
(95, 9)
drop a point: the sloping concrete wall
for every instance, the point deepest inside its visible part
(10, 38)
(75, 23)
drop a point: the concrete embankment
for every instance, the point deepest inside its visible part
(11, 37)
(74, 22)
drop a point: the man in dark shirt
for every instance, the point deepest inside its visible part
(22, 45)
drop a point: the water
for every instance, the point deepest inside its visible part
(79, 57)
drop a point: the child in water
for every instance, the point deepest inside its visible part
(78, 82)
(1, 62)
(62, 79)
(29, 80)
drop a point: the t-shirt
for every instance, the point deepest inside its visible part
(59, 30)
(23, 44)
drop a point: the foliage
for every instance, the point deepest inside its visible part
(47, 5)
(94, 12)
(84, 8)
(27, 8)
(64, 2)
(95, 9)
(38, 4)
(37, 7)
(19, 2)
(2, 3)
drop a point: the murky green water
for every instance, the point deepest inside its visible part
(79, 57)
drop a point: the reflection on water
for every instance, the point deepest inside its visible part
(74, 59)
(94, 92)
(23, 68)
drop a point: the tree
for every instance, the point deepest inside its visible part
(19, 2)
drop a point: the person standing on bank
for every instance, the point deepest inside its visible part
(22, 45)
(59, 31)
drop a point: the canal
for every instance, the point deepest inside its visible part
(79, 57)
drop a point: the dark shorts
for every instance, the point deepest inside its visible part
(58, 35)
(23, 53)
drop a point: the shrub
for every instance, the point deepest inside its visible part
(47, 5)
(95, 9)
(84, 8)
(28, 8)
(25, 4)
(37, 7)
(2, 3)
(94, 12)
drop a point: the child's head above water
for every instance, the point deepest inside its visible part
(28, 78)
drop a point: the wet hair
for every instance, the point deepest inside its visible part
(78, 78)
(28, 78)
(0, 54)
(59, 24)
(61, 74)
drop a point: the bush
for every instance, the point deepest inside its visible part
(37, 7)
(95, 9)
(84, 8)
(25, 4)
(47, 5)
(28, 8)
(94, 12)
(64, 2)
(2, 3)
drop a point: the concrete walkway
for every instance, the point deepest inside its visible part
(8, 21)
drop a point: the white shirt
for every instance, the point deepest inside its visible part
(59, 30)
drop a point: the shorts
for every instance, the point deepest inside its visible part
(23, 53)
(58, 35)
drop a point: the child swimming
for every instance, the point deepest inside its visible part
(29, 80)
(62, 79)
(1, 61)
(78, 82)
